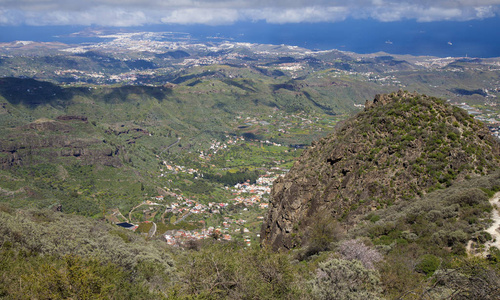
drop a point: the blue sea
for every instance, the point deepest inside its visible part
(479, 38)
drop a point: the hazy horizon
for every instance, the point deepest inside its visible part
(437, 28)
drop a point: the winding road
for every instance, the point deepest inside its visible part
(171, 145)
(152, 231)
(183, 217)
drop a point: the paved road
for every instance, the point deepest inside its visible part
(183, 217)
(152, 231)
(171, 145)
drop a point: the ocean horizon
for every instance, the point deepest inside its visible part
(477, 38)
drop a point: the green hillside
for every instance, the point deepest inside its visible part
(99, 147)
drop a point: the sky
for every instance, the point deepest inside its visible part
(418, 27)
(123, 13)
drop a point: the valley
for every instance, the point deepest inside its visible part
(176, 169)
(186, 116)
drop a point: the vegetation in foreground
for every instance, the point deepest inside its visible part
(415, 250)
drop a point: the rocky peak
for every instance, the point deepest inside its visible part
(401, 146)
(383, 99)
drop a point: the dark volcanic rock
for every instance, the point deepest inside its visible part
(72, 118)
(401, 146)
(49, 141)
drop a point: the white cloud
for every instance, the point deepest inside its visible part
(298, 15)
(8, 17)
(216, 12)
(202, 16)
(483, 12)
(421, 14)
(99, 16)
(431, 13)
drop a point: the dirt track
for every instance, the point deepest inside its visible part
(494, 228)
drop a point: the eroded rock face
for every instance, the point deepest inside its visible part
(399, 147)
(56, 141)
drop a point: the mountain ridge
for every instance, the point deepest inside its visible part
(401, 146)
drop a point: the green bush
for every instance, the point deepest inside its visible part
(374, 218)
(452, 136)
(483, 237)
(468, 278)
(428, 264)
(320, 236)
(491, 192)
(468, 197)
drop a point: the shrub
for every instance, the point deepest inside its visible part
(356, 249)
(483, 237)
(342, 279)
(409, 236)
(468, 197)
(374, 218)
(227, 271)
(434, 215)
(494, 255)
(469, 278)
(68, 277)
(322, 233)
(492, 191)
(5, 207)
(428, 264)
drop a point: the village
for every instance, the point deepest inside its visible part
(168, 213)
(245, 195)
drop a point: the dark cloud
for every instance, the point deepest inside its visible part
(216, 12)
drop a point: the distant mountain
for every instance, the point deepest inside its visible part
(401, 146)
(142, 58)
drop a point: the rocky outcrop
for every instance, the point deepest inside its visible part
(383, 99)
(50, 141)
(72, 118)
(401, 146)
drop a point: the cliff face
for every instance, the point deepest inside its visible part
(401, 146)
(67, 139)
